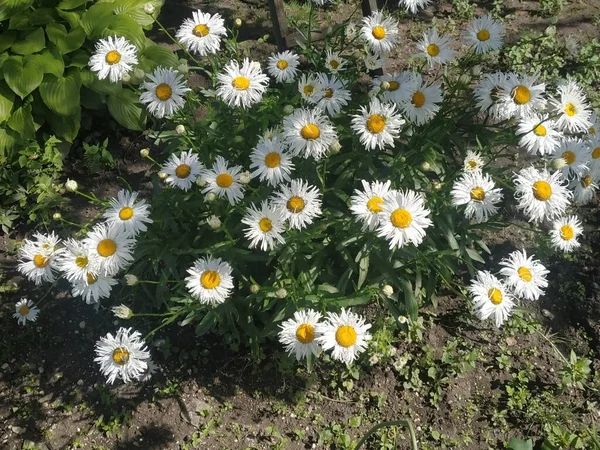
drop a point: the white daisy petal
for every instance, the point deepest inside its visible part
(224, 181)
(242, 86)
(271, 162)
(564, 233)
(123, 356)
(128, 213)
(308, 133)
(299, 334)
(403, 219)
(479, 193)
(265, 226)
(380, 32)
(490, 298)
(378, 125)
(346, 334)
(283, 66)
(113, 58)
(525, 275)
(164, 92)
(485, 34)
(210, 281)
(202, 34)
(110, 247)
(299, 203)
(367, 205)
(24, 311)
(182, 170)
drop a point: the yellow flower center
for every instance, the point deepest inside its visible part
(91, 278)
(41, 261)
(265, 225)
(566, 232)
(540, 130)
(272, 160)
(112, 57)
(328, 93)
(126, 213)
(570, 109)
(375, 123)
(334, 64)
(483, 35)
(24, 310)
(121, 356)
(183, 171)
(592, 130)
(308, 90)
(586, 181)
(433, 50)
(542, 191)
(164, 92)
(378, 32)
(241, 83)
(521, 95)
(210, 279)
(495, 296)
(394, 86)
(200, 30)
(569, 157)
(295, 204)
(401, 218)
(305, 333)
(282, 64)
(310, 131)
(472, 164)
(418, 99)
(375, 204)
(596, 153)
(478, 194)
(81, 261)
(106, 248)
(224, 180)
(345, 336)
(525, 274)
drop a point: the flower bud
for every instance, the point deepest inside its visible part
(372, 93)
(183, 68)
(71, 185)
(425, 166)
(402, 319)
(558, 163)
(255, 288)
(550, 31)
(387, 290)
(144, 152)
(131, 279)
(238, 23)
(149, 8)
(464, 79)
(126, 78)
(281, 293)
(288, 109)
(210, 197)
(323, 228)
(57, 216)
(122, 312)
(335, 147)
(214, 222)
(255, 64)
(179, 129)
(436, 185)
(162, 175)
(476, 70)
(139, 73)
(385, 85)
(200, 182)
(245, 177)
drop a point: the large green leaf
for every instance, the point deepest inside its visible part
(72, 18)
(95, 19)
(23, 74)
(66, 42)
(158, 56)
(21, 121)
(127, 110)
(7, 100)
(79, 58)
(91, 81)
(67, 5)
(9, 8)
(8, 140)
(65, 127)
(43, 16)
(128, 28)
(519, 444)
(52, 61)
(61, 95)
(135, 10)
(19, 21)
(32, 42)
(6, 39)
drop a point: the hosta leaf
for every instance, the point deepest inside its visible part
(6, 39)
(127, 110)
(23, 75)
(32, 42)
(7, 100)
(52, 61)
(43, 16)
(21, 121)
(95, 19)
(79, 59)
(128, 28)
(19, 21)
(135, 10)
(9, 8)
(158, 56)
(8, 140)
(67, 5)
(65, 127)
(518, 444)
(61, 94)
(72, 18)
(91, 81)
(66, 42)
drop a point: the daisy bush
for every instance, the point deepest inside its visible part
(289, 192)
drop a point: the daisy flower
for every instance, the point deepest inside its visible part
(473, 162)
(380, 32)
(113, 58)
(594, 151)
(283, 66)
(38, 259)
(564, 233)
(299, 334)
(308, 133)
(490, 298)
(210, 281)
(24, 311)
(541, 195)
(271, 134)
(110, 247)
(123, 356)
(224, 180)
(202, 33)
(573, 110)
(182, 170)
(127, 213)
(594, 129)
(93, 287)
(164, 93)
(435, 47)
(373, 62)
(525, 275)
(584, 187)
(299, 203)
(488, 93)
(346, 334)
(479, 193)
(76, 260)
(377, 125)
(576, 155)
(403, 219)
(367, 205)
(242, 86)
(413, 6)
(271, 162)
(520, 96)
(423, 102)
(396, 88)
(334, 96)
(538, 134)
(334, 62)
(265, 226)
(310, 88)
(485, 34)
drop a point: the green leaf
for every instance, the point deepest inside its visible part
(23, 75)
(52, 61)
(519, 444)
(363, 270)
(135, 10)
(19, 21)
(6, 40)
(474, 255)
(158, 56)
(21, 121)
(7, 100)
(65, 127)
(61, 95)
(91, 81)
(32, 42)
(8, 141)
(410, 301)
(67, 5)
(72, 18)
(43, 16)
(79, 58)
(66, 42)
(126, 27)
(95, 19)
(127, 110)
(9, 8)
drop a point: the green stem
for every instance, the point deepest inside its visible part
(177, 42)
(309, 34)
(404, 422)
(71, 223)
(93, 199)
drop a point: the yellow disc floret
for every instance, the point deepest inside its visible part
(345, 336)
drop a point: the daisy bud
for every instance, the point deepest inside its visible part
(122, 312)
(323, 228)
(238, 23)
(255, 65)
(183, 68)
(558, 163)
(436, 185)
(139, 73)
(476, 70)
(281, 293)
(373, 360)
(149, 8)
(71, 185)
(255, 288)
(210, 197)
(200, 182)
(387, 290)
(464, 79)
(214, 222)
(126, 78)
(288, 109)
(162, 175)
(385, 85)
(57, 216)
(335, 147)
(402, 319)
(425, 166)
(144, 152)
(550, 31)
(179, 129)
(245, 177)
(131, 279)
